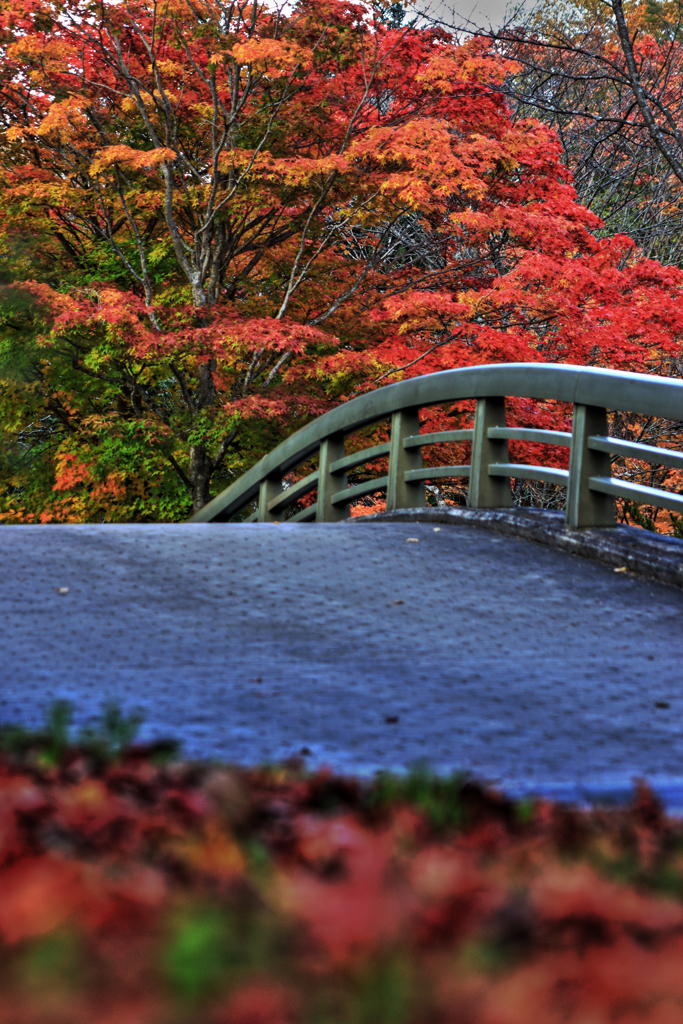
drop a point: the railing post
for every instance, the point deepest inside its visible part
(331, 449)
(586, 507)
(488, 491)
(270, 488)
(400, 494)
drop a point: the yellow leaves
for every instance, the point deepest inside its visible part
(167, 67)
(149, 100)
(145, 202)
(203, 110)
(49, 54)
(63, 117)
(26, 47)
(133, 159)
(213, 853)
(289, 171)
(15, 134)
(277, 57)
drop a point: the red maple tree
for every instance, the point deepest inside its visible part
(236, 217)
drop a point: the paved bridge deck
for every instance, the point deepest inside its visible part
(526, 665)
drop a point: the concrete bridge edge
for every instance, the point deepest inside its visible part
(626, 548)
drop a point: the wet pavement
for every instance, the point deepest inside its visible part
(365, 645)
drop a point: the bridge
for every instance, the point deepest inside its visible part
(589, 480)
(478, 638)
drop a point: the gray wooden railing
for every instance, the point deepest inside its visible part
(590, 485)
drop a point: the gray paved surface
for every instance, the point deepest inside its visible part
(526, 665)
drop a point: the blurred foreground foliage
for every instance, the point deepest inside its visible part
(139, 888)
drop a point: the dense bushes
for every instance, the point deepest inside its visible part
(137, 888)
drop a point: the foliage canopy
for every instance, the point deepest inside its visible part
(222, 218)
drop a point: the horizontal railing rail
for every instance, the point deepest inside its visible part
(591, 488)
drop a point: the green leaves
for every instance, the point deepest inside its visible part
(196, 957)
(54, 744)
(439, 799)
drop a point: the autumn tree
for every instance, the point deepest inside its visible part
(220, 219)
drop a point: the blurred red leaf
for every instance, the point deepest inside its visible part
(38, 894)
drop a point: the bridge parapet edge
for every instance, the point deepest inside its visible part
(591, 488)
(626, 548)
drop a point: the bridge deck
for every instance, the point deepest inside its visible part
(524, 664)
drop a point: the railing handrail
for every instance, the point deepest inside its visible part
(585, 387)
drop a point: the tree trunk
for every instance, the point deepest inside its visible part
(201, 469)
(201, 463)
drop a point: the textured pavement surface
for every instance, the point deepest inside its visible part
(528, 666)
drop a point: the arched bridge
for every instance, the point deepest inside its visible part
(386, 642)
(589, 480)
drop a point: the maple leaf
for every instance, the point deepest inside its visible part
(275, 56)
(134, 159)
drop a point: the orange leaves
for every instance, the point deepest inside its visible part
(64, 117)
(275, 57)
(44, 53)
(284, 171)
(133, 159)
(450, 67)
(70, 471)
(212, 854)
(422, 165)
(112, 489)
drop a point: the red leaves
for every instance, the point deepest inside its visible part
(263, 1002)
(37, 895)
(505, 919)
(576, 896)
(69, 472)
(361, 909)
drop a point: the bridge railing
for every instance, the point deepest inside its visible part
(591, 488)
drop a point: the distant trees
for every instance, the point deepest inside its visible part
(608, 77)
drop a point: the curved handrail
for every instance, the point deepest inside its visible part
(592, 391)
